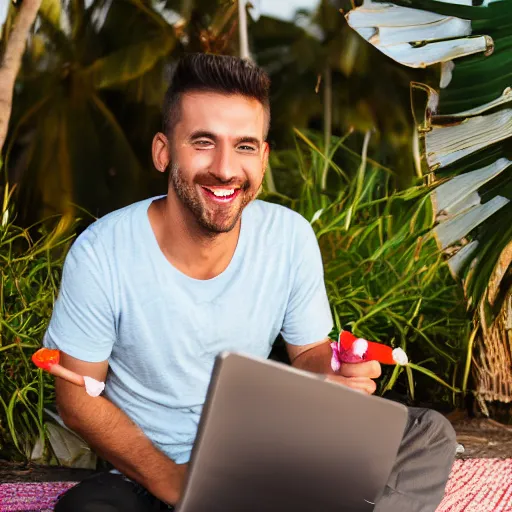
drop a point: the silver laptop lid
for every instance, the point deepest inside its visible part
(274, 438)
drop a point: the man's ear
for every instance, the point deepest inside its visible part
(160, 152)
(266, 153)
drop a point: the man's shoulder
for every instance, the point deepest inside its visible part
(113, 226)
(281, 230)
(278, 225)
(119, 218)
(277, 216)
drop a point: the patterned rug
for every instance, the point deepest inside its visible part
(475, 485)
(31, 497)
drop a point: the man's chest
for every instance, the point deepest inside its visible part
(163, 318)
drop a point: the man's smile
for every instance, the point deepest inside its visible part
(221, 195)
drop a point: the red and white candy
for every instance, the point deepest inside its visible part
(350, 349)
(49, 359)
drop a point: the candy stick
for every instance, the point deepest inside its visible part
(49, 360)
(351, 349)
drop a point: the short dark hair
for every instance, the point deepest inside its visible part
(214, 73)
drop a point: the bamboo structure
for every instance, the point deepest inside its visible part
(492, 368)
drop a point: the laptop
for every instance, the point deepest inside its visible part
(277, 439)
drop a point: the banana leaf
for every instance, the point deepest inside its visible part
(465, 121)
(464, 129)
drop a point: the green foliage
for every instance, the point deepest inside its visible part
(69, 143)
(385, 277)
(464, 126)
(30, 266)
(87, 100)
(369, 91)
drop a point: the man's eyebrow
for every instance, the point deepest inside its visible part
(202, 134)
(250, 140)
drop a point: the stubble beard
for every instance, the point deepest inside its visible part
(207, 220)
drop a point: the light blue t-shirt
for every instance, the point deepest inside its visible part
(121, 300)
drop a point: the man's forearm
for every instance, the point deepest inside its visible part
(114, 436)
(316, 359)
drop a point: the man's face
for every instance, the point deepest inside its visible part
(217, 157)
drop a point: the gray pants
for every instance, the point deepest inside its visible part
(423, 464)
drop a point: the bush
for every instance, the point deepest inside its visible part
(386, 279)
(30, 266)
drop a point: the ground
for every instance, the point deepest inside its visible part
(481, 438)
(13, 472)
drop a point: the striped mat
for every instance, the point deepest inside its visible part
(475, 485)
(479, 485)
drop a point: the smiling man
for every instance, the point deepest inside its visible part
(150, 294)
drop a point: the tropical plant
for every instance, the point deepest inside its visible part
(30, 265)
(385, 277)
(65, 140)
(464, 127)
(89, 96)
(325, 77)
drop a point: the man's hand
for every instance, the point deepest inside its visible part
(316, 358)
(358, 376)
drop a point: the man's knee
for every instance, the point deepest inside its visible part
(74, 501)
(429, 430)
(86, 507)
(103, 493)
(439, 428)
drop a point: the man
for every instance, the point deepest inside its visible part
(151, 293)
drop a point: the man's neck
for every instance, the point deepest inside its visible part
(186, 245)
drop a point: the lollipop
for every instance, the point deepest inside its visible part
(351, 349)
(49, 359)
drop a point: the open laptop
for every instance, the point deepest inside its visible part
(276, 439)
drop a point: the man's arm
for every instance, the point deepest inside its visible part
(112, 434)
(316, 358)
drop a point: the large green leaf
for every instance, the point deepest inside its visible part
(129, 63)
(414, 37)
(65, 125)
(466, 128)
(48, 178)
(465, 133)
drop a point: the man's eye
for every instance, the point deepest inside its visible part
(203, 143)
(245, 147)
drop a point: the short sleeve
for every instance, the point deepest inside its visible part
(83, 321)
(308, 317)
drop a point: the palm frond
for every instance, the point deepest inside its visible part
(464, 127)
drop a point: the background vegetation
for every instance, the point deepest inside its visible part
(385, 276)
(86, 105)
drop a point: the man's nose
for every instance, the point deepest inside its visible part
(223, 166)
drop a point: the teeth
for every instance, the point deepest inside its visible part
(222, 192)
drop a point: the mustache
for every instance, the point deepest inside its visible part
(209, 180)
